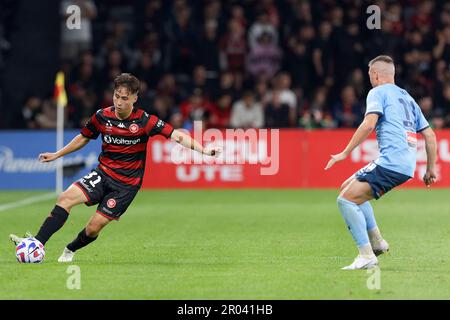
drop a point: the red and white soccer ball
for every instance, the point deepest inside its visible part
(30, 250)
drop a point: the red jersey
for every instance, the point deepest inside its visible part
(124, 147)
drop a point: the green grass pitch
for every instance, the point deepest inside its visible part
(235, 244)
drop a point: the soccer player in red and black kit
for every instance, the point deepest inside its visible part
(114, 183)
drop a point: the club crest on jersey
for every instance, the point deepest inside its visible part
(134, 128)
(111, 203)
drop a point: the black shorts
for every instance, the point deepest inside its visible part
(113, 198)
(380, 179)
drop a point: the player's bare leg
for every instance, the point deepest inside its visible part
(353, 195)
(71, 197)
(58, 216)
(96, 224)
(357, 192)
(346, 183)
(85, 237)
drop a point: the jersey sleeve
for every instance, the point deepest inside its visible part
(421, 122)
(374, 103)
(156, 126)
(91, 128)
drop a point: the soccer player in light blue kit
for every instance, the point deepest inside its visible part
(396, 117)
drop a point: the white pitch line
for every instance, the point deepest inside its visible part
(27, 201)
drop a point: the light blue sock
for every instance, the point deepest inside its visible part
(367, 210)
(355, 220)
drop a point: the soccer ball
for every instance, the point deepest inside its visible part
(30, 250)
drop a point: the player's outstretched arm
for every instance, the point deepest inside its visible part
(187, 142)
(77, 143)
(363, 131)
(431, 147)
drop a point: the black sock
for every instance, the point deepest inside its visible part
(80, 241)
(53, 223)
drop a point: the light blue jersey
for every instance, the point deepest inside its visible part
(400, 120)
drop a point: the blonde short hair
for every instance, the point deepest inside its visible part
(381, 58)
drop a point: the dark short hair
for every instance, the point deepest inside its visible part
(128, 81)
(382, 58)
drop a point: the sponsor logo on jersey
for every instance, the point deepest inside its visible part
(110, 139)
(121, 125)
(411, 138)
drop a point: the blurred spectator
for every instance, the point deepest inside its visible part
(277, 112)
(30, 110)
(442, 49)
(299, 57)
(322, 55)
(199, 80)
(426, 105)
(385, 41)
(416, 53)
(146, 98)
(262, 94)
(213, 12)
(226, 86)
(262, 26)
(394, 16)
(269, 7)
(161, 108)
(180, 34)
(196, 108)
(247, 112)
(348, 50)
(147, 70)
(208, 53)
(264, 58)
(238, 15)
(444, 17)
(438, 121)
(220, 112)
(316, 116)
(357, 82)
(233, 47)
(287, 95)
(302, 13)
(423, 19)
(47, 118)
(176, 120)
(168, 88)
(80, 105)
(75, 40)
(348, 111)
(443, 99)
(149, 17)
(150, 45)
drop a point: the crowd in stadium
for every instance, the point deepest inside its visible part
(250, 63)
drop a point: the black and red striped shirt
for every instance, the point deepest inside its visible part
(124, 145)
